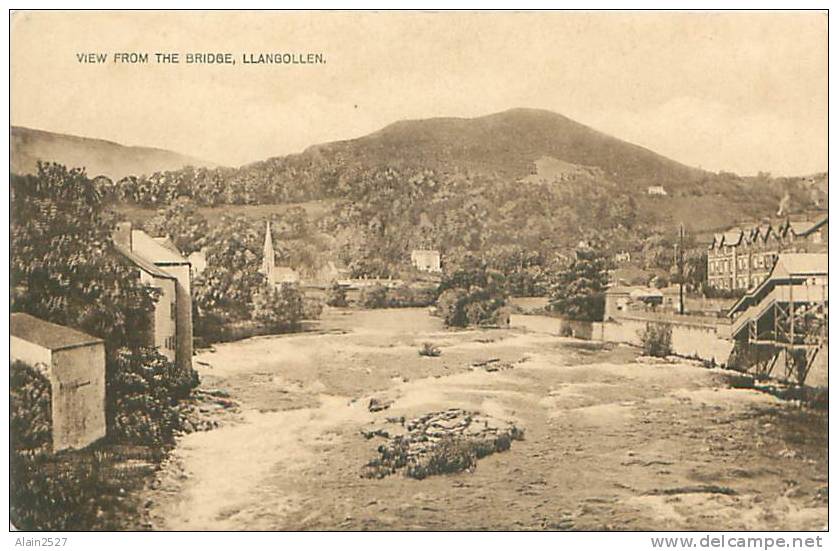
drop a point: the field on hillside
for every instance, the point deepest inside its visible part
(701, 213)
(610, 443)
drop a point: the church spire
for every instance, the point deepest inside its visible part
(268, 255)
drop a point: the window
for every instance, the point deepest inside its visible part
(172, 310)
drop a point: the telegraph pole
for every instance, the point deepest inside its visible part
(681, 269)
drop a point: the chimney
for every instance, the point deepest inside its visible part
(122, 235)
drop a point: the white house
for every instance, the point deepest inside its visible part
(198, 262)
(656, 190)
(74, 364)
(162, 267)
(426, 260)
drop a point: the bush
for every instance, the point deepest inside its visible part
(337, 296)
(312, 308)
(448, 456)
(374, 297)
(460, 308)
(656, 339)
(406, 296)
(143, 386)
(280, 309)
(52, 494)
(30, 397)
(428, 349)
(403, 296)
(471, 293)
(47, 492)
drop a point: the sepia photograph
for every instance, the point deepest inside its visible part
(419, 271)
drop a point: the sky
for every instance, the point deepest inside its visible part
(741, 92)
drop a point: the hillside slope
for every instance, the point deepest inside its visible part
(507, 144)
(99, 157)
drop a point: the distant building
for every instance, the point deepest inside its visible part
(617, 299)
(197, 262)
(426, 260)
(162, 267)
(284, 274)
(742, 258)
(621, 299)
(74, 364)
(275, 275)
(656, 190)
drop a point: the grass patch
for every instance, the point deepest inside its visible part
(446, 442)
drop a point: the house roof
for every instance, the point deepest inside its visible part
(803, 263)
(154, 251)
(732, 237)
(787, 266)
(645, 292)
(168, 243)
(46, 334)
(281, 274)
(620, 290)
(142, 263)
(808, 226)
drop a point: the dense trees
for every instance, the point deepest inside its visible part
(578, 291)
(379, 213)
(65, 269)
(234, 257)
(182, 222)
(280, 309)
(471, 293)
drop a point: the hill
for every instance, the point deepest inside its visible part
(508, 144)
(99, 157)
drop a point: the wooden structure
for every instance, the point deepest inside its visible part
(785, 320)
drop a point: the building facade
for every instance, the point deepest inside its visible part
(743, 258)
(426, 260)
(162, 267)
(74, 364)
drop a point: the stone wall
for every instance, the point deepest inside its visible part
(694, 338)
(700, 340)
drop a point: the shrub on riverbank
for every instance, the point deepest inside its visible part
(403, 296)
(70, 490)
(656, 339)
(143, 389)
(337, 296)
